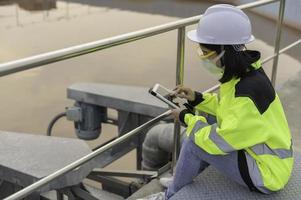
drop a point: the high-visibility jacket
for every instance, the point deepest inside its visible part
(250, 118)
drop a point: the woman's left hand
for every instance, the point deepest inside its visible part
(176, 113)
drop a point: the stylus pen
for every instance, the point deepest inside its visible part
(165, 100)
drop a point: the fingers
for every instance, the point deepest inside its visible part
(183, 92)
(175, 113)
(181, 89)
(181, 95)
(177, 90)
(177, 87)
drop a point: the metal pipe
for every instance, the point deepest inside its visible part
(31, 188)
(176, 144)
(256, 4)
(277, 40)
(180, 56)
(74, 51)
(212, 89)
(67, 53)
(290, 46)
(179, 81)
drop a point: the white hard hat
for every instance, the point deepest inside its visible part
(223, 24)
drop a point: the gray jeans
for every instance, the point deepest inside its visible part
(193, 160)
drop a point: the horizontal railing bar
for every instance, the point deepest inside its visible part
(74, 51)
(290, 46)
(67, 53)
(256, 4)
(31, 188)
(214, 88)
(282, 51)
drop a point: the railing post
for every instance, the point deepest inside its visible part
(277, 41)
(179, 81)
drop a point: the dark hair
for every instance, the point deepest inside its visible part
(237, 63)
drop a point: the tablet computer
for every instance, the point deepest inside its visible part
(167, 96)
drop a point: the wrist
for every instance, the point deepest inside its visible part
(182, 115)
(198, 98)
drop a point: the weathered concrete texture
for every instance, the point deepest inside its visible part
(126, 98)
(292, 11)
(290, 93)
(213, 185)
(26, 158)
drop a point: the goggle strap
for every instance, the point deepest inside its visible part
(207, 55)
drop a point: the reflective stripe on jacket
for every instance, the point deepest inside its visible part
(249, 117)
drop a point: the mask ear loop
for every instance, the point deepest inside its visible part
(222, 58)
(219, 56)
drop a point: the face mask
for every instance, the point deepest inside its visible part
(210, 65)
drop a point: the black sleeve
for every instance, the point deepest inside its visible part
(198, 99)
(182, 115)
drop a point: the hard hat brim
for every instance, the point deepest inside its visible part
(192, 35)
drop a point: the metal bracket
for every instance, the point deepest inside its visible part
(115, 185)
(126, 173)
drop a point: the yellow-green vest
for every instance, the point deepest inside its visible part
(264, 136)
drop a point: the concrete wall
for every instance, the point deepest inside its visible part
(292, 11)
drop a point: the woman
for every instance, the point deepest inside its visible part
(250, 141)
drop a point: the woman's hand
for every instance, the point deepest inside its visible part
(183, 92)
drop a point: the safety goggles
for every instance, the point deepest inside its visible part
(205, 54)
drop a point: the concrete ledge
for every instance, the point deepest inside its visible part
(120, 97)
(27, 158)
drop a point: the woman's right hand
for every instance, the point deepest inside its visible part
(183, 92)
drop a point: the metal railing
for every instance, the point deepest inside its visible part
(67, 53)
(74, 51)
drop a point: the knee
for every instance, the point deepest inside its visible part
(188, 144)
(191, 147)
